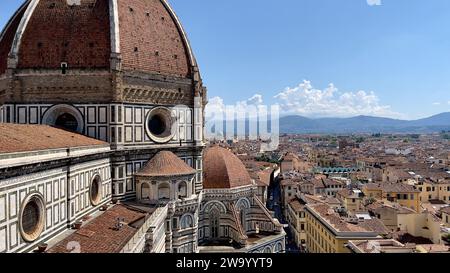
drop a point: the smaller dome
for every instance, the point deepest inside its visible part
(223, 170)
(165, 163)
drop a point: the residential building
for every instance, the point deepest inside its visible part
(328, 232)
(333, 186)
(380, 246)
(402, 219)
(390, 246)
(351, 199)
(405, 195)
(388, 213)
(297, 222)
(445, 214)
(432, 191)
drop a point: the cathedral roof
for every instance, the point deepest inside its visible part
(16, 138)
(223, 170)
(101, 235)
(145, 35)
(165, 163)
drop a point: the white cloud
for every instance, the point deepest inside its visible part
(216, 108)
(436, 103)
(308, 101)
(257, 99)
(304, 99)
(217, 104)
(374, 2)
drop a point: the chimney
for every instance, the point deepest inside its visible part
(119, 223)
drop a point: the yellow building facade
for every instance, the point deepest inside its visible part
(326, 233)
(434, 191)
(297, 222)
(424, 225)
(446, 217)
(352, 200)
(402, 194)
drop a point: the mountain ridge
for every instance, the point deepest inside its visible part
(364, 124)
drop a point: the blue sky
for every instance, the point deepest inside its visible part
(321, 57)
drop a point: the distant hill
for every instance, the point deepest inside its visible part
(364, 124)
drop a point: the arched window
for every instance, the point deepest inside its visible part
(278, 248)
(243, 206)
(182, 190)
(267, 250)
(163, 191)
(187, 221)
(145, 191)
(214, 223)
(243, 215)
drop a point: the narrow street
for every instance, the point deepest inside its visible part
(274, 204)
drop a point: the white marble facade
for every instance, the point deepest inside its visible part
(65, 192)
(122, 125)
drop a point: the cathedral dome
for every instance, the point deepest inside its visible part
(142, 35)
(223, 170)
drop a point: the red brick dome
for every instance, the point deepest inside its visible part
(144, 34)
(223, 170)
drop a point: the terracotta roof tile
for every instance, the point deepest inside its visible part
(100, 235)
(296, 205)
(24, 138)
(446, 210)
(333, 219)
(391, 187)
(223, 170)
(165, 163)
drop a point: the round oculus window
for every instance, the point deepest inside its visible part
(32, 218)
(94, 191)
(159, 125)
